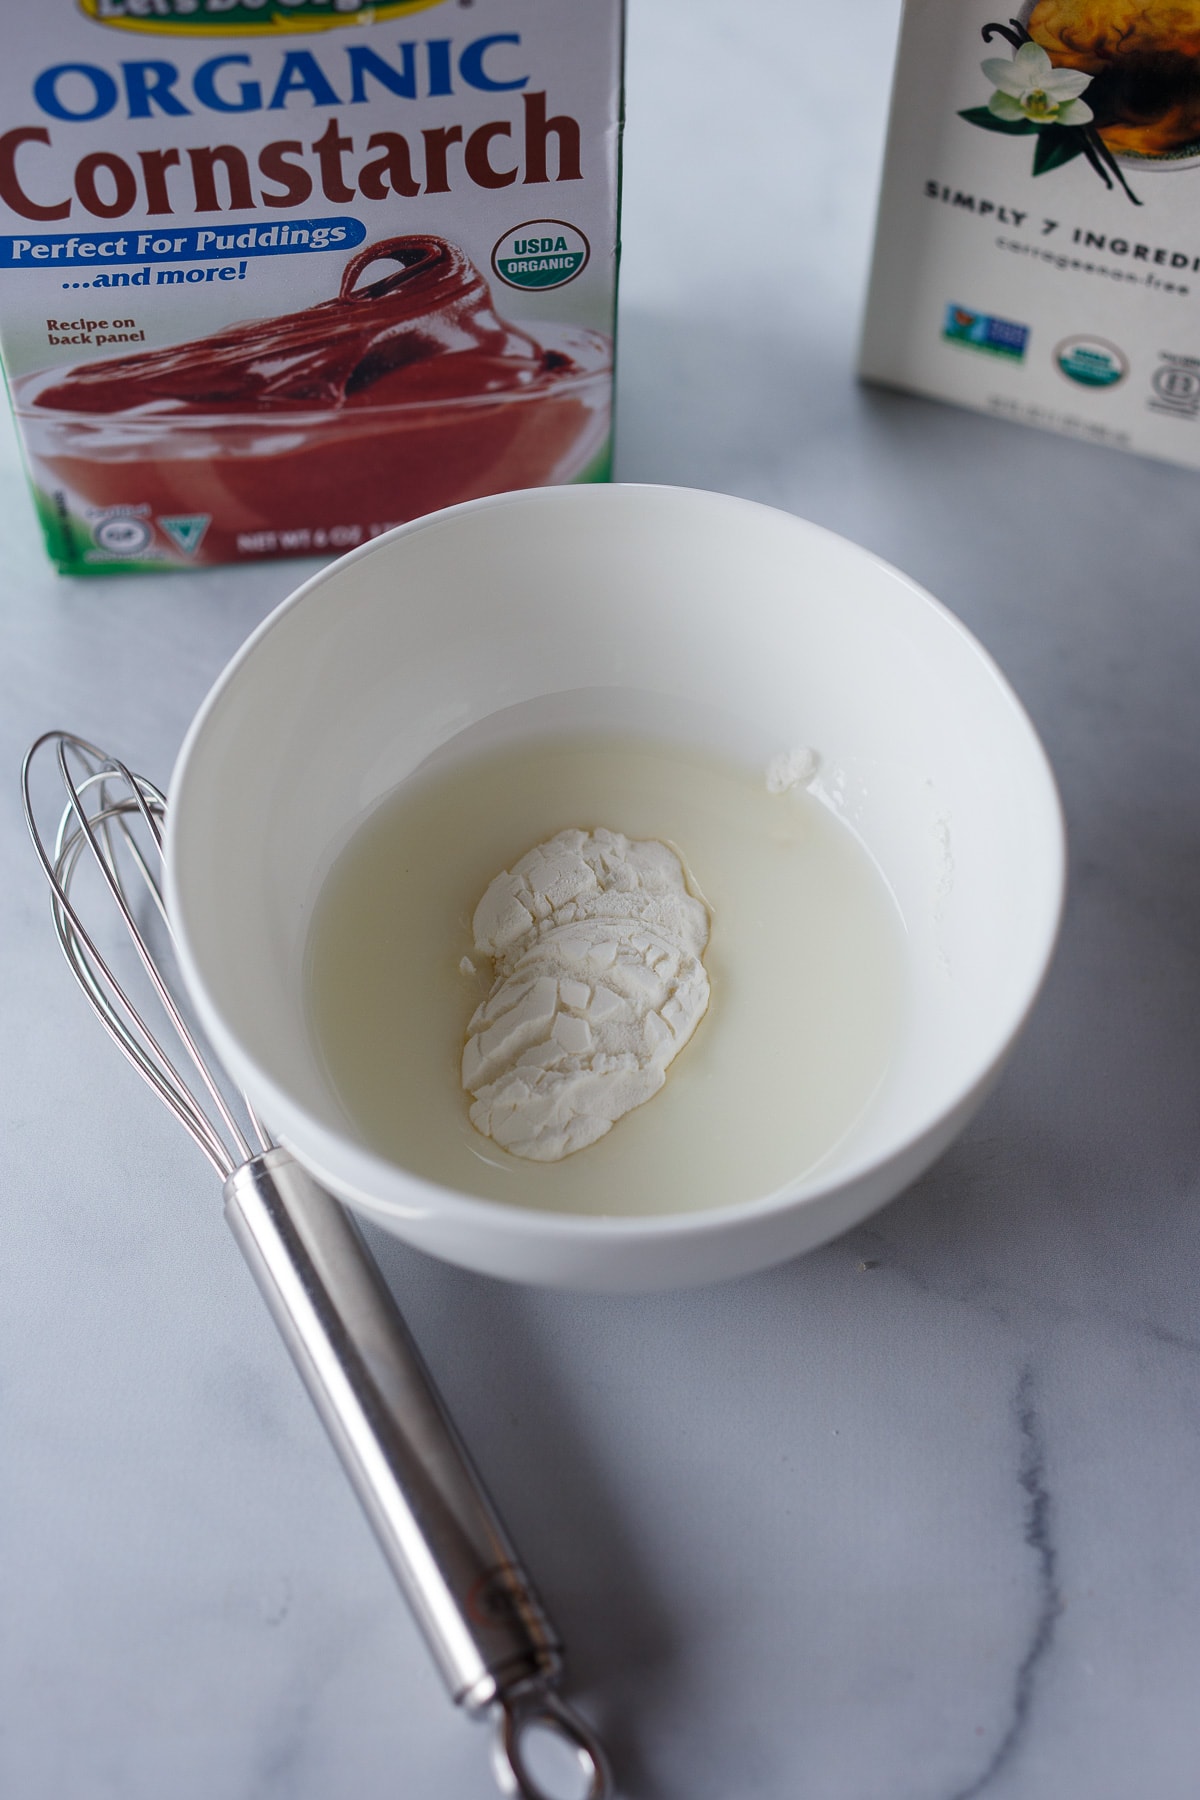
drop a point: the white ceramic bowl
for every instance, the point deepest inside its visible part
(788, 634)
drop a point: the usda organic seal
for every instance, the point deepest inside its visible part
(1091, 362)
(543, 253)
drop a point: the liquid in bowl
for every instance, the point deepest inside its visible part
(805, 959)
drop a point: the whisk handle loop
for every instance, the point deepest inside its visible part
(430, 1512)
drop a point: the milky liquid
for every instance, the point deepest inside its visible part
(804, 958)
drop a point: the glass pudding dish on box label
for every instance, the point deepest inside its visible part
(324, 427)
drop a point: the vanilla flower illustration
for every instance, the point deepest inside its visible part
(1034, 99)
(1030, 87)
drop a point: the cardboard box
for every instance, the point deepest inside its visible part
(279, 274)
(1038, 245)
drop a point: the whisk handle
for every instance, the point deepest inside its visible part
(434, 1521)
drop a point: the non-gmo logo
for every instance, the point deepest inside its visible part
(983, 331)
(245, 18)
(542, 253)
(1092, 362)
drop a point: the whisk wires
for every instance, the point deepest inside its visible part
(110, 818)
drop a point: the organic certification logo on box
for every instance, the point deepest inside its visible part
(1091, 362)
(980, 331)
(122, 535)
(544, 253)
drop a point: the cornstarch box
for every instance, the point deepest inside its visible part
(280, 274)
(1038, 245)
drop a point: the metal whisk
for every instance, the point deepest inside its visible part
(486, 1629)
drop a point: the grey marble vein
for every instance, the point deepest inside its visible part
(1038, 1534)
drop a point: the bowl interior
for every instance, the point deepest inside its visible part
(747, 629)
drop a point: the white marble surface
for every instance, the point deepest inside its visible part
(910, 1519)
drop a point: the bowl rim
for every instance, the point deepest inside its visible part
(357, 1165)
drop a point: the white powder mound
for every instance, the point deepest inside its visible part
(596, 946)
